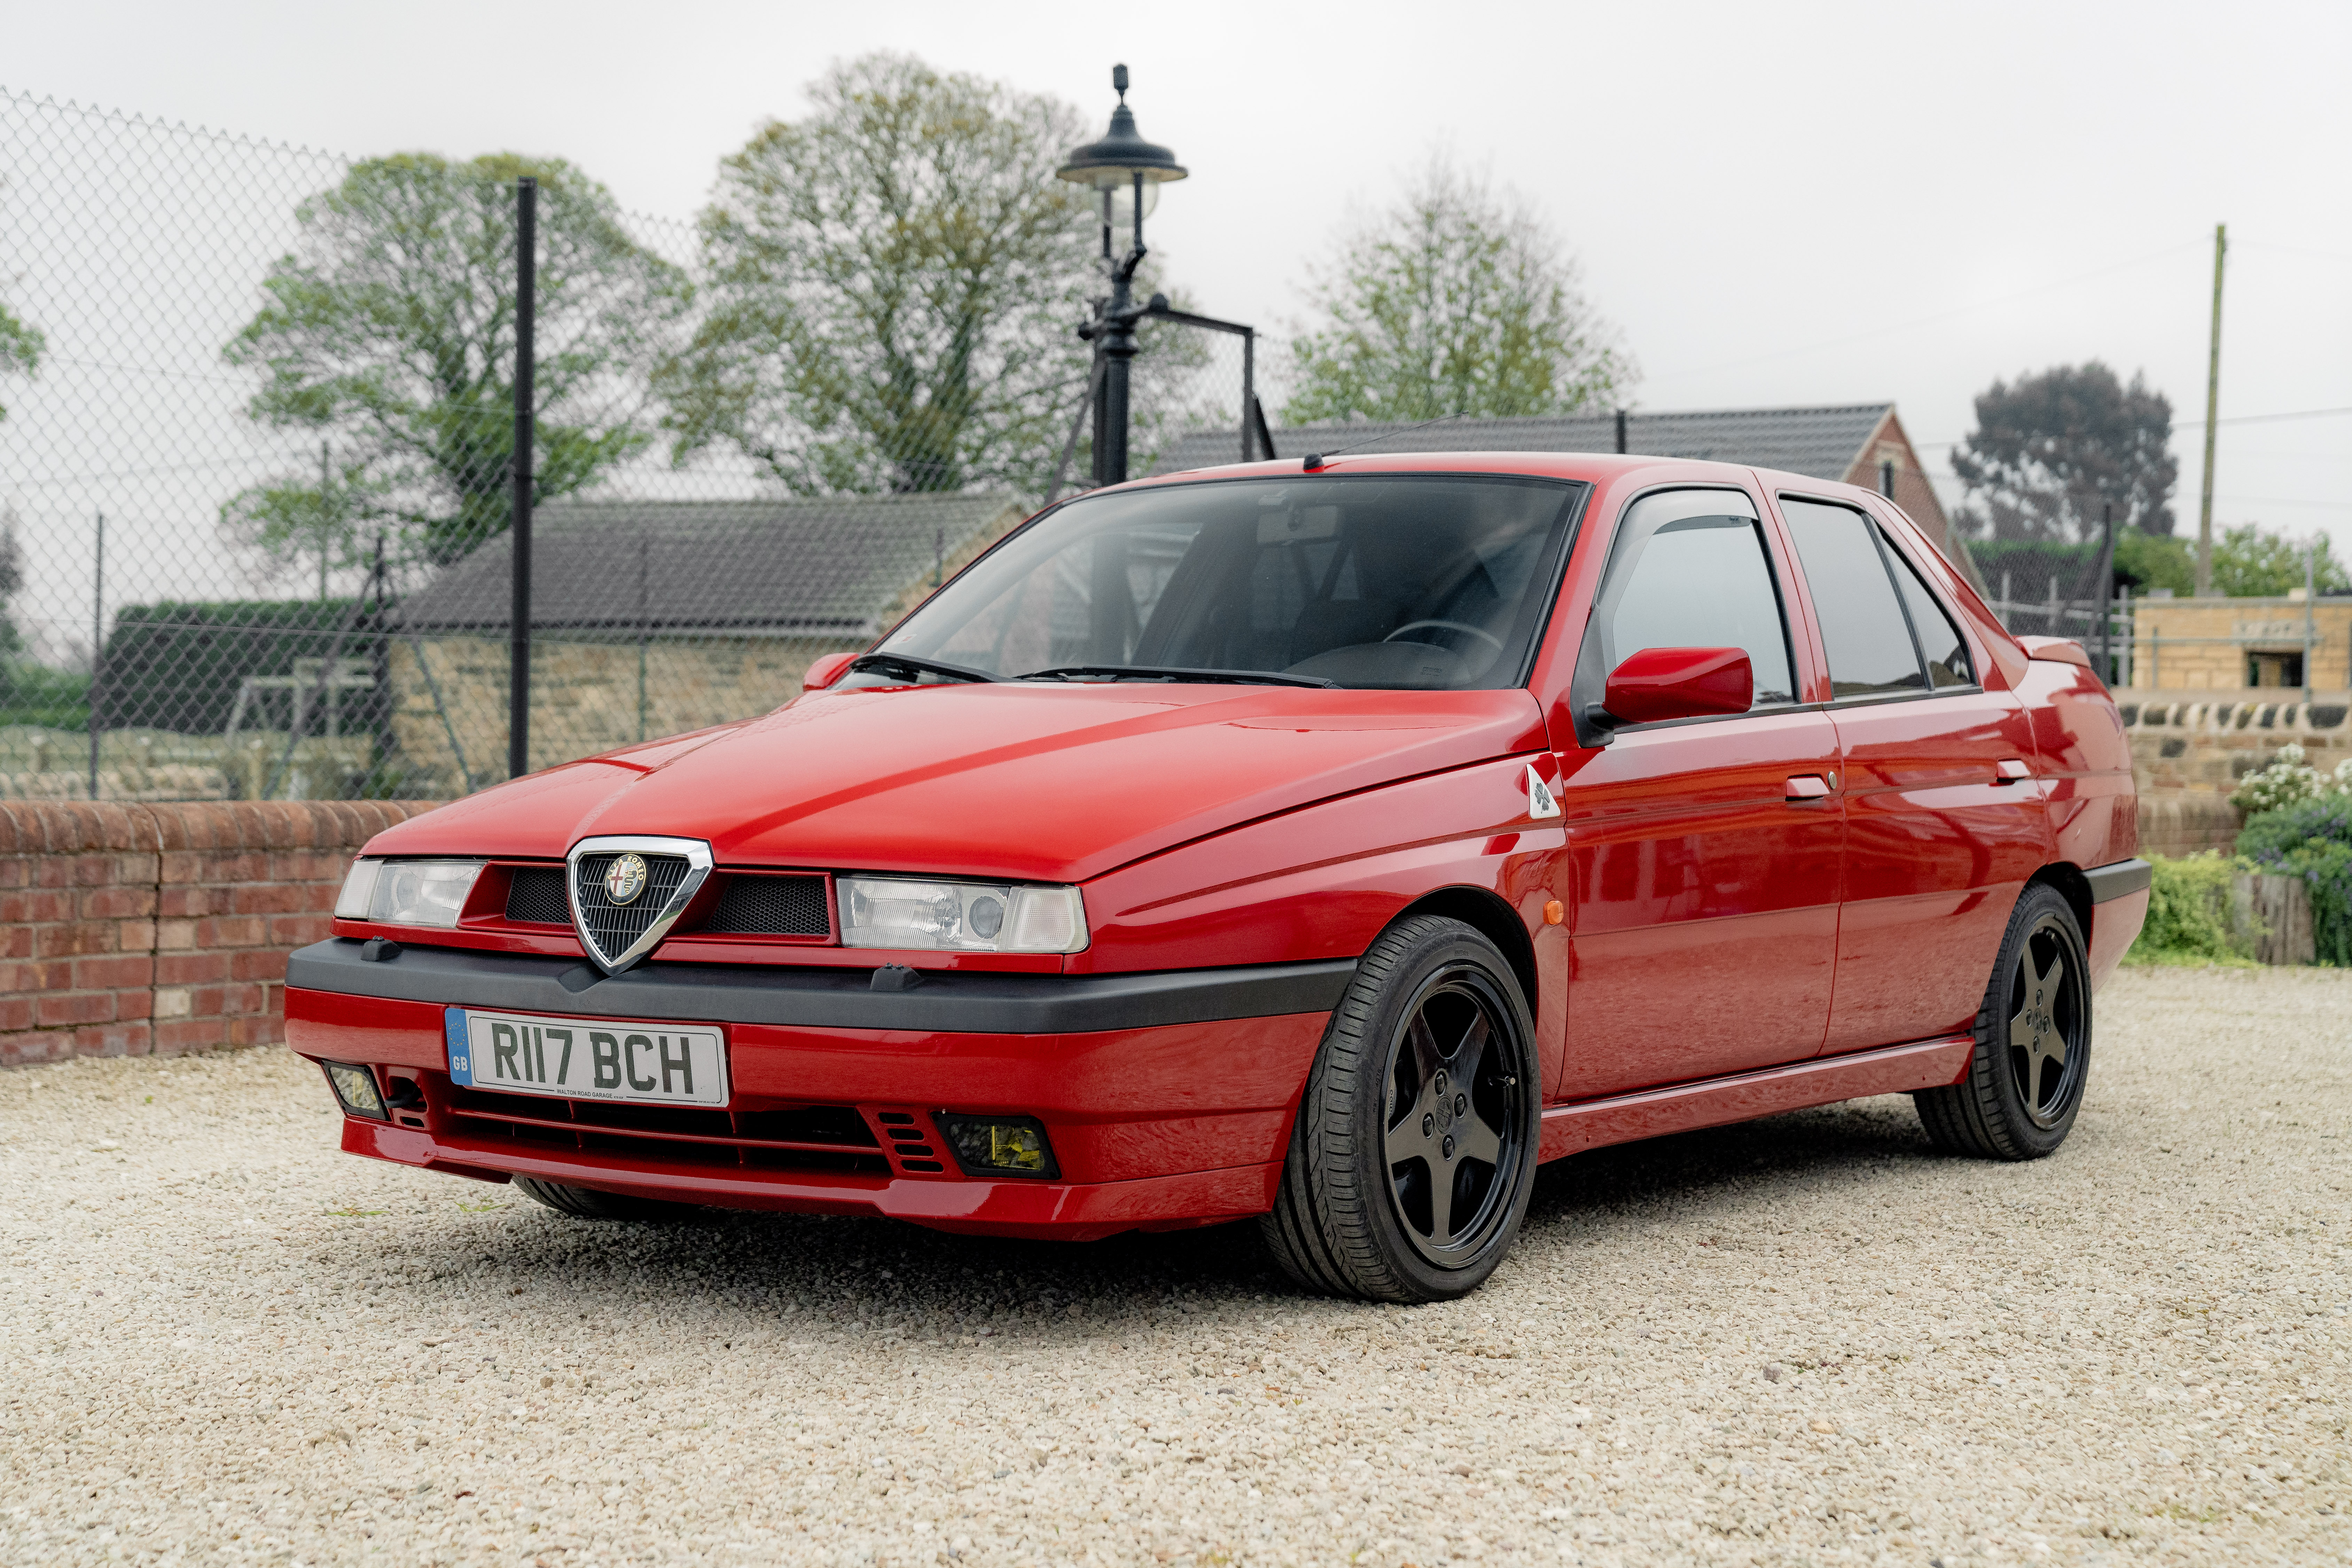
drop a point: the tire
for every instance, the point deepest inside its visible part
(1386, 1127)
(2025, 1081)
(587, 1203)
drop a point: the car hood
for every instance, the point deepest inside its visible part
(1026, 782)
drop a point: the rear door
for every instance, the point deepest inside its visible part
(1703, 853)
(1944, 820)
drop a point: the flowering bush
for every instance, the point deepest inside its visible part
(2285, 780)
(2312, 838)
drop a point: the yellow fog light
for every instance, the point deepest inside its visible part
(999, 1145)
(355, 1087)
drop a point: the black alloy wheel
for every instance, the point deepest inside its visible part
(2032, 1058)
(1449, 1136)
(1414, 1151)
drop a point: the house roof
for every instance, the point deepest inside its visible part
(818, 568)
(1820, 443)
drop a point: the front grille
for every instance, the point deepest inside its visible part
(798, 1138)
(536, 896)
(770, 905)
(613, 926)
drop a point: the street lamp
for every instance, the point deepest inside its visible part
(1125, 174)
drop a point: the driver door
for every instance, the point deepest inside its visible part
(1704, 853)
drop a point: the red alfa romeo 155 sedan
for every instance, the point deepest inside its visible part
(1326, 844)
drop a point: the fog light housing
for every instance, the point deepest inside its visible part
(355, 1088)
(999, 1145)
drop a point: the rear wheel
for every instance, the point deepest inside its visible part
(1413, 1149)
(2033, 1042)
(587, 1203)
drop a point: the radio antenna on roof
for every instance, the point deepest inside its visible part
(1315, 459)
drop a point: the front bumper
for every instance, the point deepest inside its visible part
(1167, 1098)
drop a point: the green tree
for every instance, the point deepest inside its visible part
(2053, 449)
(1457, 298)
(392, 327)
(2248, 561)
(893, 282)
(2251, 561)
(21, 345)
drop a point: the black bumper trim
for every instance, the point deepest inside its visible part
(946, 1003)
(2115, 881)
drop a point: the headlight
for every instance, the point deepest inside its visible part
(959, 917)
(407, 892)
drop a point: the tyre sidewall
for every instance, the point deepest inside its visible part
(1444, 943)
(1993, 1029)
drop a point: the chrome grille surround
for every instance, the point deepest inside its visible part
(617, 935)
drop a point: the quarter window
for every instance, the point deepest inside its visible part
(1869, 641)
(1688, 570)
(1947, 654)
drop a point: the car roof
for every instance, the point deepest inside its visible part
(1592, 467)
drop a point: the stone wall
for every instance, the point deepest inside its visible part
(127, 929)
(2204, 743)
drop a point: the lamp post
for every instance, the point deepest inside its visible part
(1125, 172)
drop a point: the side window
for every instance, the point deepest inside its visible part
(1948, 654)
(1688, 569)
(1869, 648)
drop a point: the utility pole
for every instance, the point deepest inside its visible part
(2213, 418)
(518, 628)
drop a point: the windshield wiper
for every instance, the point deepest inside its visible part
(1175, 672)
(893, 663)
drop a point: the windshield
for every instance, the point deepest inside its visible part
(1416, 583)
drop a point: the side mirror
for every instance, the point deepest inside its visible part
(826, 670)
(1677, 683)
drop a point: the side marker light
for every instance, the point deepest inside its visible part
(1554, 912)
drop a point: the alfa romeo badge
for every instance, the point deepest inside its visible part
(625, 879)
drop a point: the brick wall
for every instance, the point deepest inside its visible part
(130, 929)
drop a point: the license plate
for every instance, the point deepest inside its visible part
(587, 1059)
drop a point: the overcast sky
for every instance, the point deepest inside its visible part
(1776, 205)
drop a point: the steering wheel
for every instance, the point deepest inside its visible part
(1451, 627)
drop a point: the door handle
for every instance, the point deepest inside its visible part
(1806, 788)
(2010, 771)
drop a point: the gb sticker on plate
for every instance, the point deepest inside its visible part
(1541, 802)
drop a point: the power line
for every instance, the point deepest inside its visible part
(2199, 423)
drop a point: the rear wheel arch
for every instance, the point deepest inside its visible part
(1484, 912)
(2071, 885)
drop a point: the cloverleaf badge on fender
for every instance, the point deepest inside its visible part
(1541, 802)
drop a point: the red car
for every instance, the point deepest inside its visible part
(1328, 845)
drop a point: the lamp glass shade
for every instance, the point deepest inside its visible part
(1114, 205)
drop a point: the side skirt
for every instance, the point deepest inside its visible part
(1655, 1112)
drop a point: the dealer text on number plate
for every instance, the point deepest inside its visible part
(587, 1059)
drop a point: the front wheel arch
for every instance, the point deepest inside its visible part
(1483, 911)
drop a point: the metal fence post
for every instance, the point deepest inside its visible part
(1249, 390)
(518, 628)
(97, 644)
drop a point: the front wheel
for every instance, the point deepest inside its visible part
(1414, 1151)
(2033, 1042)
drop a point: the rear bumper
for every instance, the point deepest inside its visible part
(1171, 1119)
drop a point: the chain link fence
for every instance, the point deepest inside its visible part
(256, 476)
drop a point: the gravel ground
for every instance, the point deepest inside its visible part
(1808, 1340)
